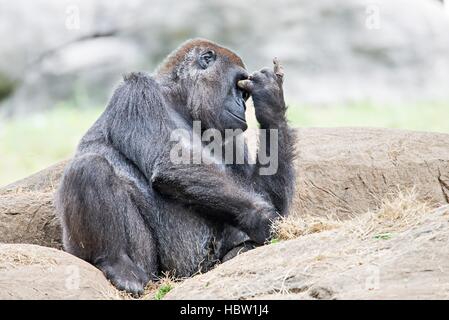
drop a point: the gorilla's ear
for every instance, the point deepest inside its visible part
(206, 58)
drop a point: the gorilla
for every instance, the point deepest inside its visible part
(129, 210)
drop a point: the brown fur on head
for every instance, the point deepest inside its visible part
(175, 58)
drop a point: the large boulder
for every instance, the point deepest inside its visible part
(347, 171)
(35, 272)
(341, 171)
(387, 51)
(27, 213)
(81, 73)
(339, 264)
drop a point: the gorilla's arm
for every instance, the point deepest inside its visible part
(265, 87)
(216, 195)
(137, 121)
(280, 185)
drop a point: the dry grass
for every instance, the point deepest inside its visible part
(295, 226)
(155, 290)
(397, 212)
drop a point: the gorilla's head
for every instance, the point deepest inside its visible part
(202, 77)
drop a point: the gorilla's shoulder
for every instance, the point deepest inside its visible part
(136, 78)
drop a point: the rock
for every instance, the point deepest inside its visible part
(64, 53)
(27, 214)
(86, 72)
(46, 180)
(35, 272)
(347, 170)
(335, 264)
(344, 171)
(355, 51)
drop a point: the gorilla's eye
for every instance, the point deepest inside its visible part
(206, 58)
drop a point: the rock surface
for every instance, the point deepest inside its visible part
(27, 214)
(355, 51)
(345, 171)
(35, 272)
(336, 264)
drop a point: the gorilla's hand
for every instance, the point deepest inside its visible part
(265, 87)
(257, 224)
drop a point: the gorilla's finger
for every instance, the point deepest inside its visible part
(266, 71)
(246, 85)
(259, 76)
(278, 69)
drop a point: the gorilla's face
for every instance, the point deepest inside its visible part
(234, 106)
(215, 98)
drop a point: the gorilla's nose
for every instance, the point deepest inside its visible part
(241, 74)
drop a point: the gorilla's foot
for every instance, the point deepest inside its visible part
(245, 246)
(124, 274)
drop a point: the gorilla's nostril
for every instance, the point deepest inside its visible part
(241, 75)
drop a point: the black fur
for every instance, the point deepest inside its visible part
(126, 208)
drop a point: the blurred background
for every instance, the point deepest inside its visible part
(381, 63)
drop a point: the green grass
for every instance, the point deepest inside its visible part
(383, 236)
(430, 117)
(31, 143)
(163, 290)
(28, 144)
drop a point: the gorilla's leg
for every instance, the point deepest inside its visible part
(196, 244)
(187, 242)
(102, 223)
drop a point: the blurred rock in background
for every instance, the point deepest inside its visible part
(383, 51)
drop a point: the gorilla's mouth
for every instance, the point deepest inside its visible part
(238, 117)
